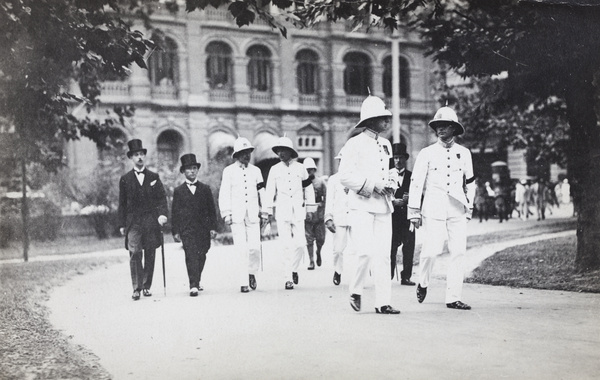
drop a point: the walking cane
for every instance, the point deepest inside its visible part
(162, 249)
(397, 278)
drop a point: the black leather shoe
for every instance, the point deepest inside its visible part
(337, 278)
(458, 305)
(252, 282)
(244, 289)
(136, 295)
(355, 302)
(146, 293)
(407, 282)
(311, 266)
(289, 285)
(421, 293)
(387, 309)
(295, 277)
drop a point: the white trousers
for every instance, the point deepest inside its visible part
(246, 239)
(293, 240)
(371, 235)
(340, 241)
(435, 232)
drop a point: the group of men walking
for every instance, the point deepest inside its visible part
(373, 201)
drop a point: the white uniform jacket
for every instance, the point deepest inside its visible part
(365, 164)
(439, 173)
(285, 192)
(336, 201)
(239, 193)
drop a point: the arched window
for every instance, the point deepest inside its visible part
(168, 146)
(404, 79)
(259, 68)
(307, 72)
(163, 63)
(219, 66)
(357, 74)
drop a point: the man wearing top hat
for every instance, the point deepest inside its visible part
(289, 190)
(194, 220)
(402, 232)
(242, 187)
(441, 201)
(142, 212)
(365, 171)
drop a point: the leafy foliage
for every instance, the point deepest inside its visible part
(48, 44)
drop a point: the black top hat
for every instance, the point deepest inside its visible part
(188, 159)
(135, 145)
(399, 149)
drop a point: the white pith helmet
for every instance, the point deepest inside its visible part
(372, 107)
(241, 144)
(309, 163)
(285, 142)
(447, 115)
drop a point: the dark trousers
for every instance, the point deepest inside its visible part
(141, 274)
(402, 236)
(194, 261)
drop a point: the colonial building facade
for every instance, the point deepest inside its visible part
(212, 81)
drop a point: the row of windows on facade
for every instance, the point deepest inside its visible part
(163, 70)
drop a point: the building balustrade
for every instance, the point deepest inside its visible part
(218, 95)
(114, 88)
(311, 100)
(259, 97)
(164, 92)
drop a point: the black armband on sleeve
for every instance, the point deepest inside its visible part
(306, 182)
(471, 179)
(260, 185)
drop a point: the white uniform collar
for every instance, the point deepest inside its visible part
(446, 145)
(371, 133)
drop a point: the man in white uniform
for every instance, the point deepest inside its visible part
(241, 186)
(285, 191)
(441, 200)
(336, 221)
(364, 170)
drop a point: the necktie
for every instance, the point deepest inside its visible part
(192, 184)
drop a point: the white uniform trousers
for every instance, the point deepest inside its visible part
(246, 240)
(291, 235)
(435, 232)
(340, 241)
(371, 235)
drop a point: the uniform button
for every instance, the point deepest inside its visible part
(448, 165)
(448, 184)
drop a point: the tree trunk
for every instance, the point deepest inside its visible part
(25, 210)
(584, 165)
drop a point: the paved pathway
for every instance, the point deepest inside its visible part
(312, 333)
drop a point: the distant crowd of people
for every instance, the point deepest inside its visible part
(524, 198)
(372, 206)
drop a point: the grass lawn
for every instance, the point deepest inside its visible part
(547, 264)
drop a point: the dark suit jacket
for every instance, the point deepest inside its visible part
(142, 204)
(400, 213)
(194, 216)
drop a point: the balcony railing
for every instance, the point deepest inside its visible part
(404, 102)
(259, 97)
(311, 100)
(114, 88)
(354, 101)
(221, 95)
